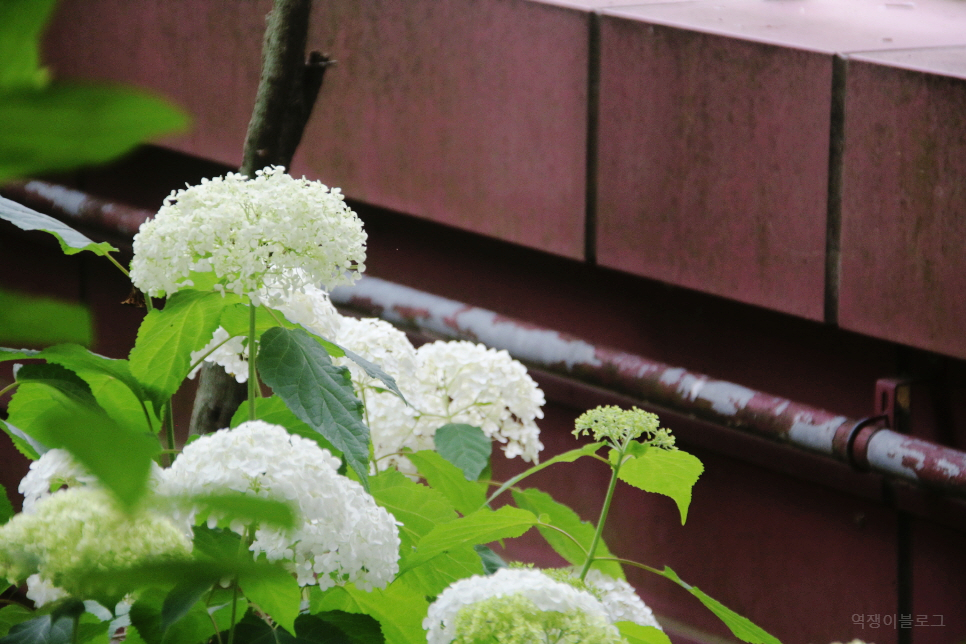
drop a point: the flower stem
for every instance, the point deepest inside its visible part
(603, 515)
(169, 427)
(115, 262)
(252, 384)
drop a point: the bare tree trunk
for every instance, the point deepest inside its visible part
(287, 91)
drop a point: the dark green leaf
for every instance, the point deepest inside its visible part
(399, 609)
(742, 627)
(65, 126)
(466, 496)
(637, 634)
(6, 509)
(482, 526)
(180, 599)
(161, 358)
(277, 595)
(65, 381)
(464, 446)
(491, 561)
(26, 445)
(372, 370)
(562, 517)
(41, 630)
(338, 627)
(13, 614)
(274, 410)
(41, 320)
(669, 472)
(194, 627)
(320, 394)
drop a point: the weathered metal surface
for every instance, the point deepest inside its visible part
(702, 182)
(77, 205)
(903, 272)
(674, 388)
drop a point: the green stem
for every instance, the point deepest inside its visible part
(169, 427)
(564, 533)
(234, 604)
(251, 361)
(629, 562)
(8, 388)
(603, 515)
(121, 268)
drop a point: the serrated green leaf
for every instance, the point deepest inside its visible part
(466, 496)
(16, 354)
(65, 126)
(63, 380)
(483, 526)
(161, 357)
(434, 576)
(274, 410)
(399, 609)
(29, 447)
(637, 634)
(6, 508)
(319, 393)
(741, 627)
(13, 614)
(669, 472)
(277, 595)
(465, 446)
(419, 508)
(41, 630)
(40, 321)
(562, 517)
(24, 218)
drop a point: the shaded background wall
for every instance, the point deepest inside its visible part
(768, 193)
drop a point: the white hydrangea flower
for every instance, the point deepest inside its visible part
(271, 230)
(41, 591)
(230, 353)
(74, 532)
(463, 382)
(55, 469)
(620, 600)
(532, 585)
(391, 421)
(343, 536)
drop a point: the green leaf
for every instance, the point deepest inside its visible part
(434, 576)
(24, 218)
(11, 615)
(194, 627)
(419, 508)
(16, 354)
(566, 457)
(161, 358)
(482, 526)
(277, 595)
(372, 370)
(352, 629)
(6, 508)
(398, 609)
(41, 320)
(637, 634)
(466, 496)
(491, 561)
(742, 627)
(465, 446)
(561, 516)
(179, 601)
(41, 630)
(66, 126)
(274, 410)
(669, 472)
(21, 26)
(57, 408)
(235, 319)
(26, 445)
(319, 393)
(237, 505)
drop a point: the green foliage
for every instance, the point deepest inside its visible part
(637, 634)
(195, 626)
(742, 627)
(567, 457)
(669, 472)
(57, 627)
(319, 393)
(398, 609)
(277, 595)
(161, 358)
(351, 629)
(13, 614)
(466, 496)
(21, 25)
(36, 320)
(6, 509)
(562, 517)
(466, 447)
(237, 505)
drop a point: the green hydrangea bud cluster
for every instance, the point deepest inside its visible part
(79, 531)
(515, 619)
(619, 426)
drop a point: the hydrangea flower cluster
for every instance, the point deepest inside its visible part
(517, 605)
(343, 536)
(80, 530)
(53, 470)
(620, 600)
(273, 230)
(620, 426)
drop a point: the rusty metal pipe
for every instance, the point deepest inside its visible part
(815, 430)
(674, 388)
